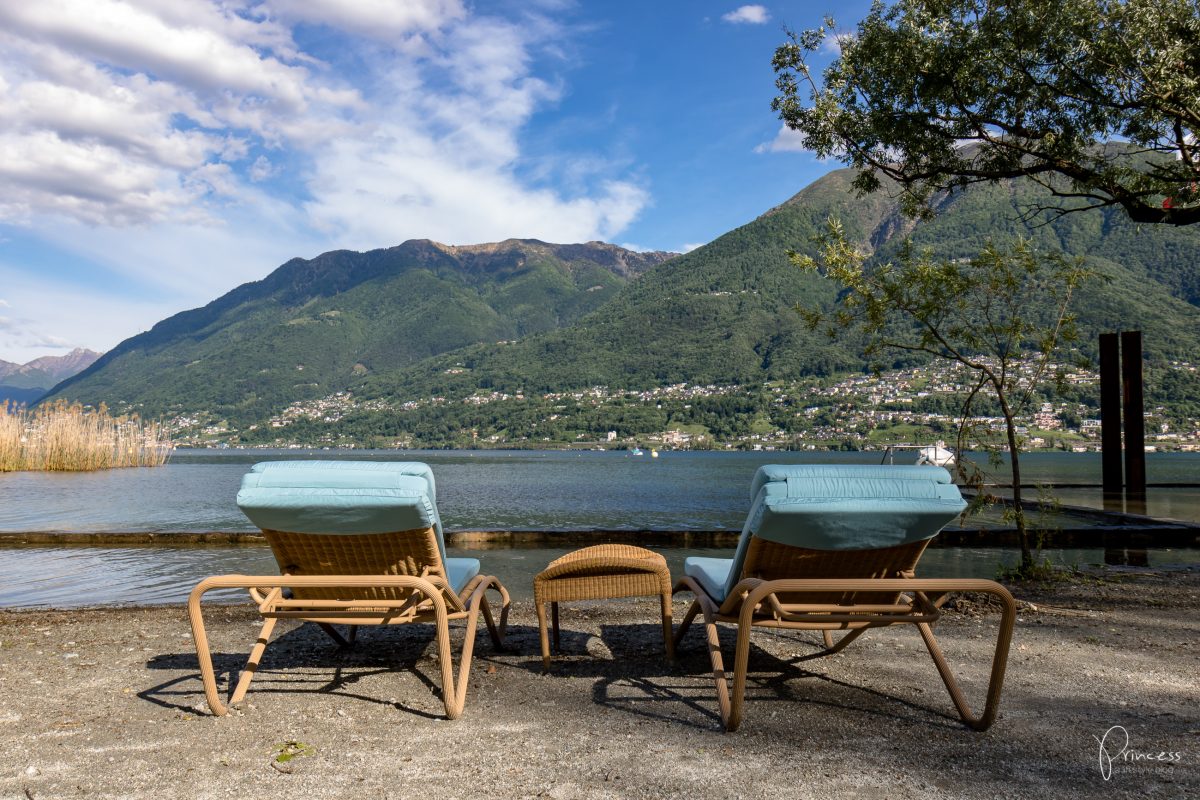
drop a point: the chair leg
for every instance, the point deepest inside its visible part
(668, 638)
(453, 697)
(204, 655)
(692, 611)
(496, 632)
(995, 681)
(332, 633)
(543, 633)
(729, 708)
(831, 647)
(256, 654)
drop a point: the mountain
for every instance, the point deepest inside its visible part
(521, 319)
(724, 313)
(313, 327)
(25, 383)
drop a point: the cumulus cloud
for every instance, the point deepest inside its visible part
(149, 112)
(785, 141)
(748, 15)
(393, 21)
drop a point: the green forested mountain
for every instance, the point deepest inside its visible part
(313, 327)
(724, 313)
(422, 320)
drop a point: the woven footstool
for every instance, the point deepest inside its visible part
(601, 572)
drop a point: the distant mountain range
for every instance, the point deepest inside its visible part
(25, 383)
(424, 320)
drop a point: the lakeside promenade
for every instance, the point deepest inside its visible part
(107, 703)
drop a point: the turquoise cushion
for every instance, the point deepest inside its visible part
(711, 573)
(459, 572)
(341, 497)
(772, 473)
(845, 507)
(355, 472)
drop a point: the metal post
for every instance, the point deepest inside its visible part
(1135, 423)
(1110, 420)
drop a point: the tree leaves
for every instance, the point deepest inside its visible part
(942, 94)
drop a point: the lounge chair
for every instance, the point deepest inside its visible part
(358, 543)
(834, 548)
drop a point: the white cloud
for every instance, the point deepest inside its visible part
(143, 112)
(401, 185)
(748, 15)
(448, 174)
(23, 338)
(834, 42)
(785, 141)
(213, 49)
(391, 21)
(192, 145)
(261, 169)
(690, 246)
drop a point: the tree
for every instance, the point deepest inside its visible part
(979, 313)
(1096, 100)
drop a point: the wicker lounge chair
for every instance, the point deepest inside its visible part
(833, 548)
(358, 543)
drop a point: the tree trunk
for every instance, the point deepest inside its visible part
(1014, 453)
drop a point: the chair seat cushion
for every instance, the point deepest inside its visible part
(711, 573)
(459, 572)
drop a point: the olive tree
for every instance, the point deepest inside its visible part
(1096, 100)
(1002, 316)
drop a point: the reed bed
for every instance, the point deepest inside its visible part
(67, 437)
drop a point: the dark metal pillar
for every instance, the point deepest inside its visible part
(1110, 420)
(1135, 422)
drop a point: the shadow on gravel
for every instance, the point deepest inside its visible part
(304, 660)
(635, 677)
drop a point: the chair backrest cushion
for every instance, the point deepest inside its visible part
(846, 507)
(341, 497)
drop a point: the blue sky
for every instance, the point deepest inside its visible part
(154, 154)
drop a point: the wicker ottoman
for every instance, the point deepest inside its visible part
(601, 572)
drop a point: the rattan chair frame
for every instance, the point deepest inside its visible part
(383, 598)
(850, 604)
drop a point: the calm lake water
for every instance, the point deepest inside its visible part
(504, 490)
(521, 490)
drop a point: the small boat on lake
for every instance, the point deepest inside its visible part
(936, 454)
(927, 455)
(636, 451)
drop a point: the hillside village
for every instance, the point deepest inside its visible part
(866, 411)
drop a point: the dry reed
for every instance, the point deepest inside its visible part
(66, 437)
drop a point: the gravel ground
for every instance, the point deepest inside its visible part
(108, 703)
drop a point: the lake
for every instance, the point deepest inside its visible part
(477, 490)
(506, 489)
